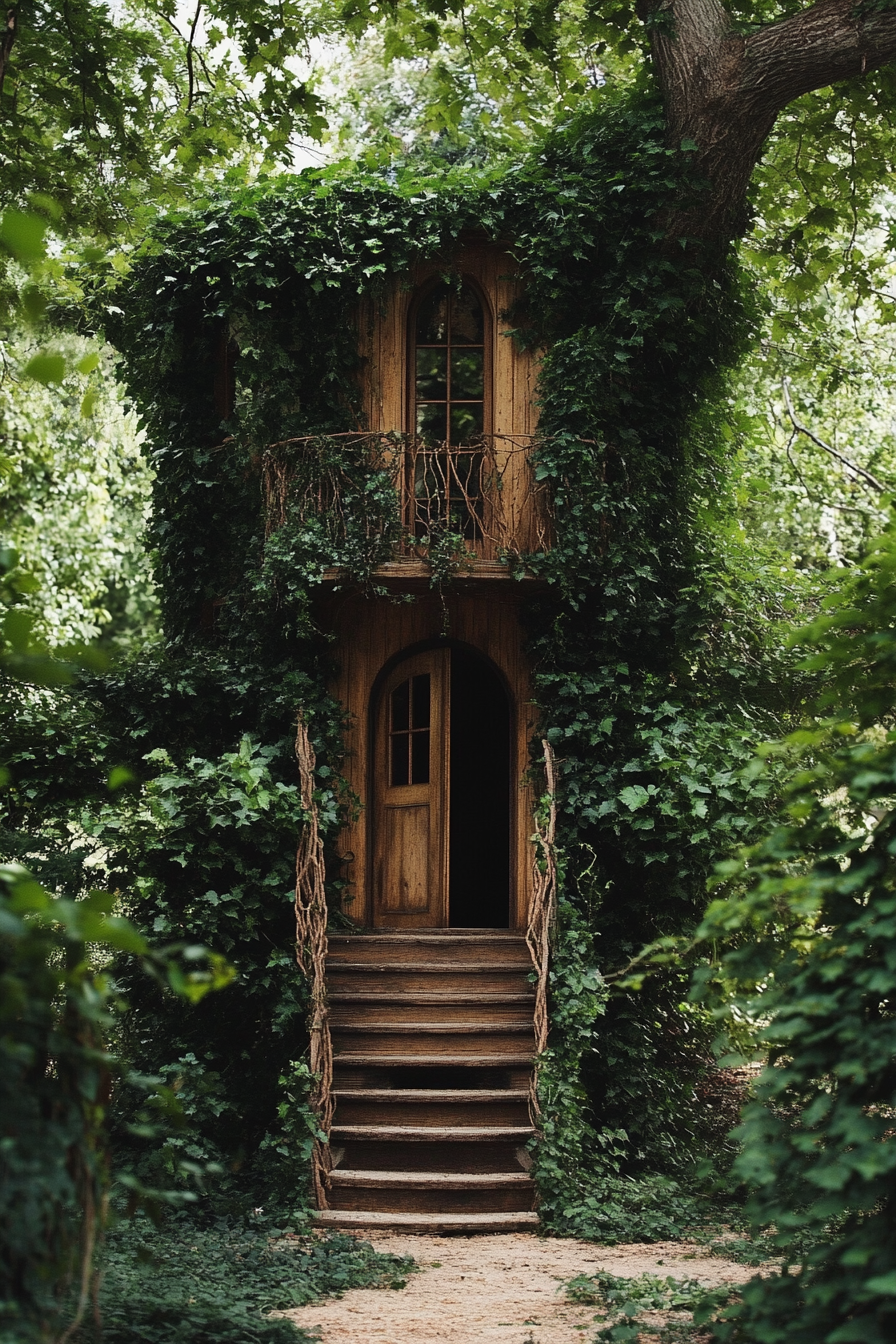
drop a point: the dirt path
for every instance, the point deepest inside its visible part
(504, 1289)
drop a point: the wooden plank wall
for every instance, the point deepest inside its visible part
(369, 633)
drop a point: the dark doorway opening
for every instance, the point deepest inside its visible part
(479, 828)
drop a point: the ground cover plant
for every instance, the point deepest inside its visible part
(221, 1280)
(631, 1304)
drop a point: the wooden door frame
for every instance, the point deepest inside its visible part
(370, 634)
(375, 698)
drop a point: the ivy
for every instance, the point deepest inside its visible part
(654, 644)
(221, 1282)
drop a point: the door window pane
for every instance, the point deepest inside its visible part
(432, 317)
(466, 421)
(400, 707)
(467, 322)
(409, 724)
(420, 757)
(400, 749)
(431, 421)
(421, 702)
(466, 374)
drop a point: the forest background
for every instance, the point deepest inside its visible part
(160, 107)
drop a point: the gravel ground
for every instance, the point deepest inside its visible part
(501, 1289)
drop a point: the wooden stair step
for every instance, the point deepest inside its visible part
(369, 1059)
(441, 996)
(435, 1133)
(428, 1180)
(407, 938)
(436, 1028)
(430, 967)
(428, 1222)
(415, 1159)
(456, 1095)
(445, 951)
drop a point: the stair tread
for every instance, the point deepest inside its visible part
(424, 1180)
(441, 996)
(460, 1133)
(430, 1094)
(428, 1222)
(407, 938)
(432, 967)
(357, 1058)
(436, 1028)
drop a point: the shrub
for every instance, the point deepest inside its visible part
(813, 923)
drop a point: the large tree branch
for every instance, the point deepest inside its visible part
(724, 89)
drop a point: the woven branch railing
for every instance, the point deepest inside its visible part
(311, 955)
(484, 492)
(543, 914)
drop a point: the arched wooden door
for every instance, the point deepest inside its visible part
(441, 810)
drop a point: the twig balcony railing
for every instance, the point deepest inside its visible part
(482, 497)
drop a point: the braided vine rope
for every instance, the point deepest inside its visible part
(543, 915)
(311, 955)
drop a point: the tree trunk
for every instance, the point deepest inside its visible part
(724, 89)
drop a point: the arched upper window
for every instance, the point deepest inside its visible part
(449, 374)
(449, 411)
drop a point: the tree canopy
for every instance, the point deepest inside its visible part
(682, 180)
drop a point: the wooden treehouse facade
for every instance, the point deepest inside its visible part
(432, 1003)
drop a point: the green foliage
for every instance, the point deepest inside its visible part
(656, 663)
(811, 917)
(655, 660)
(208, 845)
(464, 84)
(56, 1011)
(652, 644)
(76, 495)
(104, 109)
(217, 1282)
(626, 1300)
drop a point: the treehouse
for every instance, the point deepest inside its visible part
(382, 517)
(431, 1001)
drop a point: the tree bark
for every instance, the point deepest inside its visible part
(724, 89)
(6, 42)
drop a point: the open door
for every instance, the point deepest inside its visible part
(411, 762)
(442, 813)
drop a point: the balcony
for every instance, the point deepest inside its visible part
(474, 509)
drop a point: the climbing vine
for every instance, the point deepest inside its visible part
(653, 642)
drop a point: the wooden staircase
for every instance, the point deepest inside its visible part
(433, 1043)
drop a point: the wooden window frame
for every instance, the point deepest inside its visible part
(421, 294)
(488, 337)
